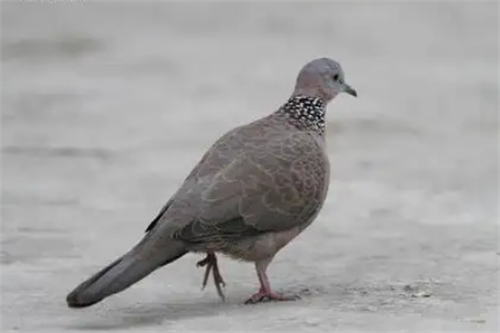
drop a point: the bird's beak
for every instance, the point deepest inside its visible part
(349, 90)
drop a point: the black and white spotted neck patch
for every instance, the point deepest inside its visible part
(305, 112)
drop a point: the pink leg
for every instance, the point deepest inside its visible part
(265, 292)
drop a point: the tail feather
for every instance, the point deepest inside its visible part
(120, 274)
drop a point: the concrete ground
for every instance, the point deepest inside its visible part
(106, 108)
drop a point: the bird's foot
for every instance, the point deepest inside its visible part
(269, 296)
(211, 262)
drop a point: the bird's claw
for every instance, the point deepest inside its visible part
(263, 296)
(211, 262)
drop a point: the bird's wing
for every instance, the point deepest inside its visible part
(267, 188)
(214, 159)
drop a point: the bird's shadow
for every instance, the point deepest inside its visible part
(161, 313)
(158, 313)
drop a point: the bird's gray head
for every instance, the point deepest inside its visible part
(322, 78)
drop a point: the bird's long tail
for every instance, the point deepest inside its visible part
(122, 273)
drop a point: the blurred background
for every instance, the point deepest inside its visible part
(107, 106)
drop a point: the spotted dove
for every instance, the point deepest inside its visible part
(253, 191)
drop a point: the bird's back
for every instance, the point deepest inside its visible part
(269, 163)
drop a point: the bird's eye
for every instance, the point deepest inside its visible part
(336, 77)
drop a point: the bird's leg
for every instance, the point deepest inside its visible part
(265, 293)
(202, 263)
(211, 262)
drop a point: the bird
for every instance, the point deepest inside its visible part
(254, 190)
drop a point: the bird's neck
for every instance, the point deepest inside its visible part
(305, 112)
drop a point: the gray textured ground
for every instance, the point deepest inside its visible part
(105, 108)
